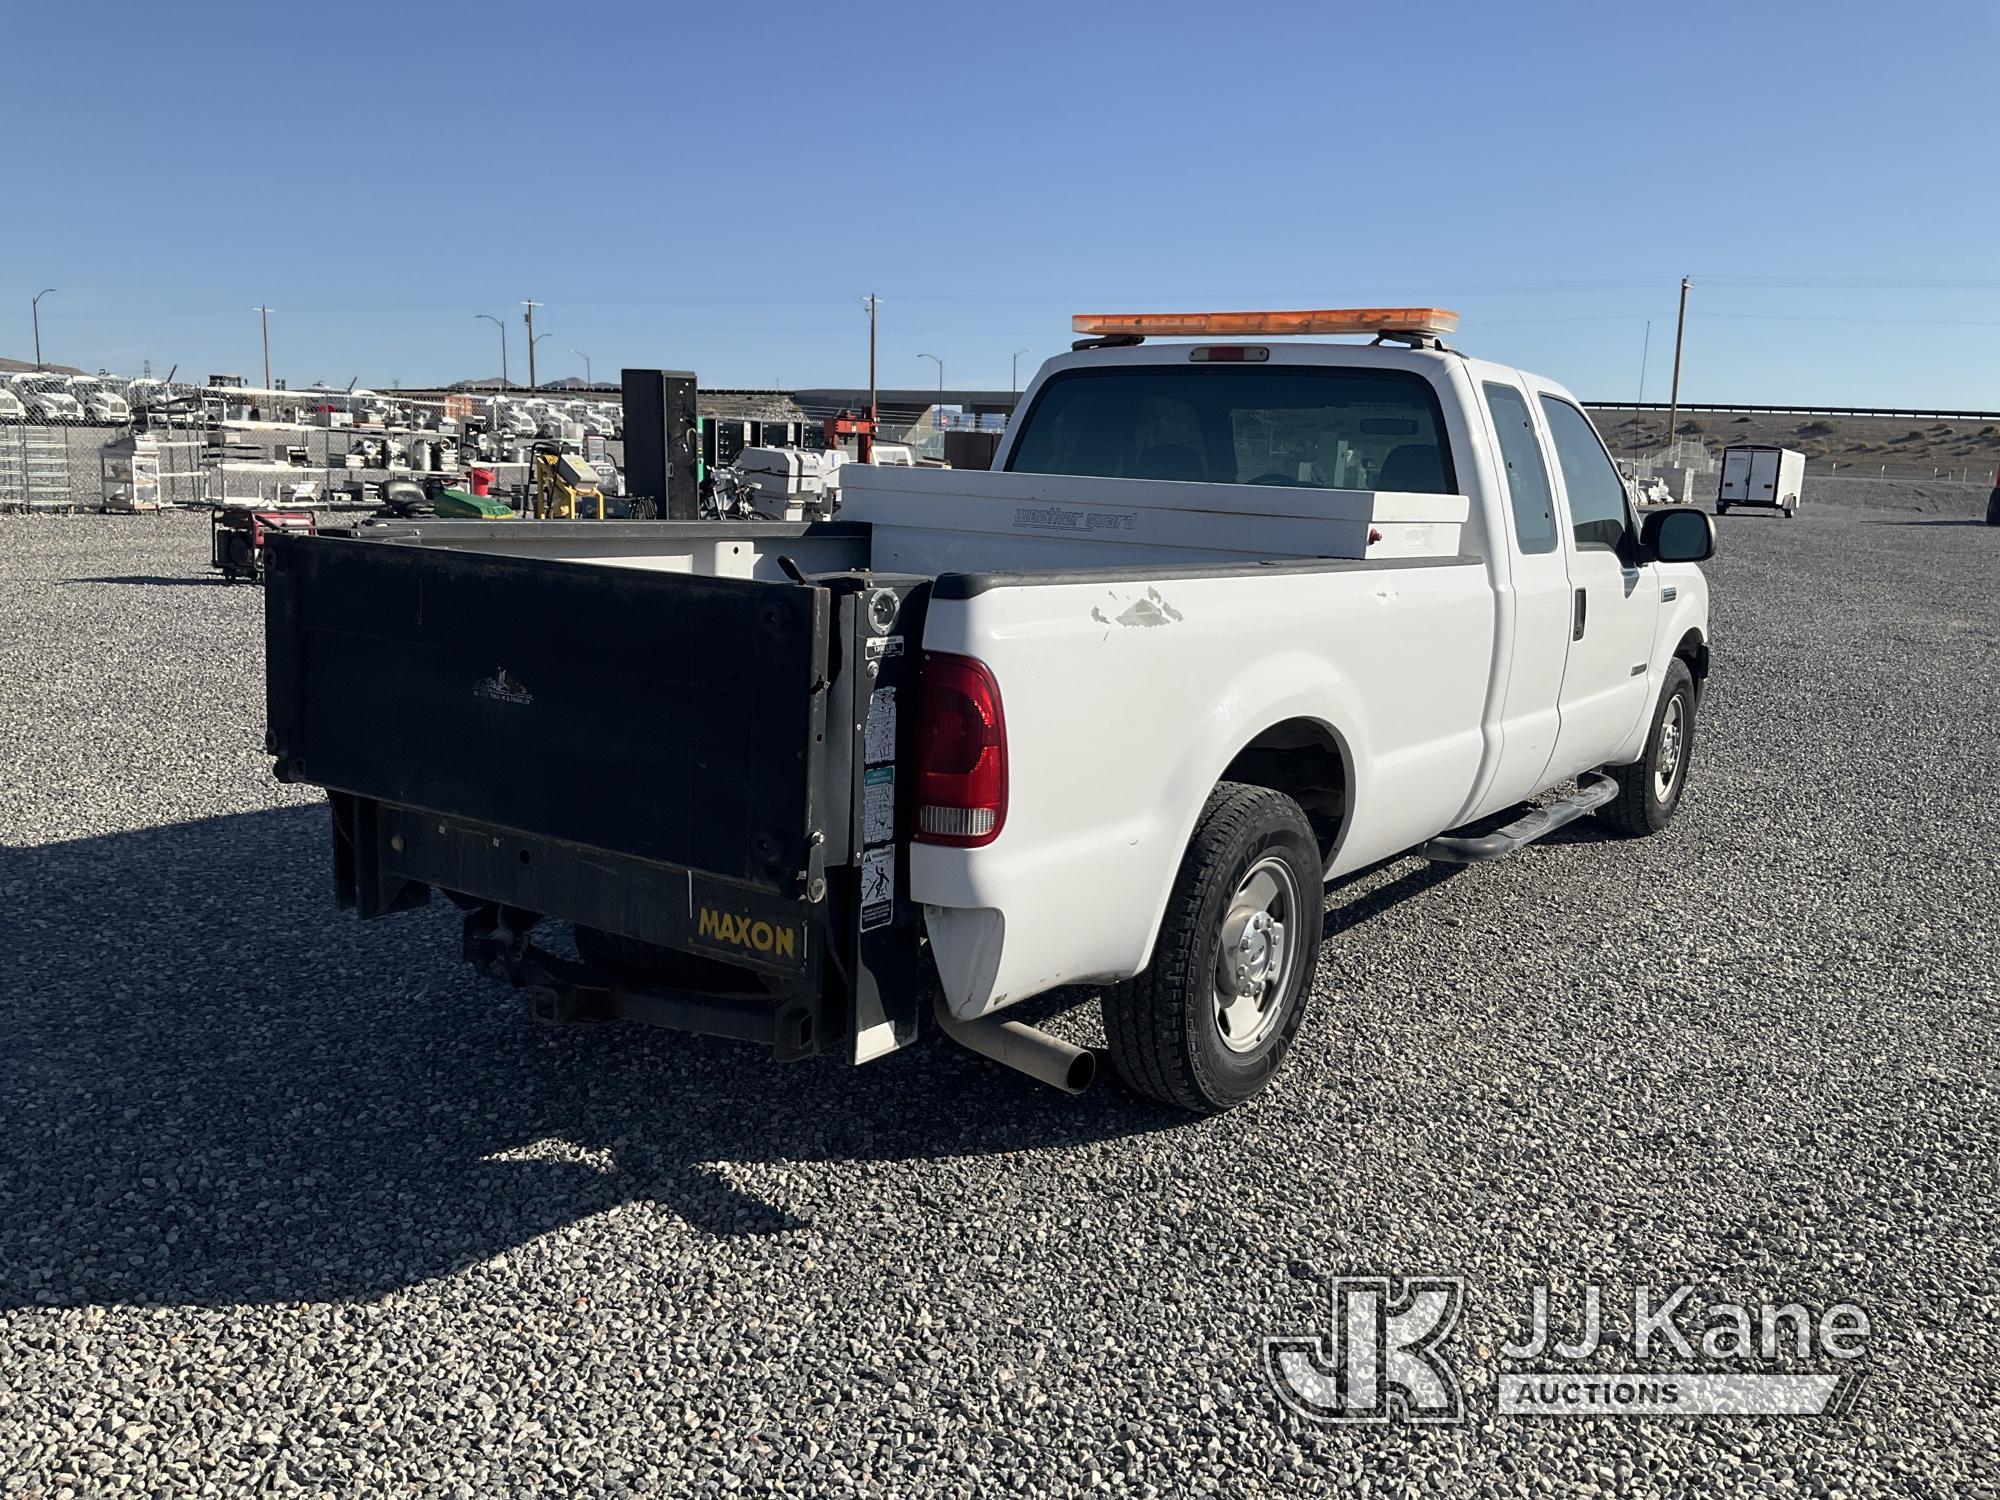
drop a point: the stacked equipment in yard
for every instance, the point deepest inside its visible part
(129, 474)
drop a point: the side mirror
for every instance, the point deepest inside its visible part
(1678, 534)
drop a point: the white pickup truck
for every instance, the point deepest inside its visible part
(1228, 618)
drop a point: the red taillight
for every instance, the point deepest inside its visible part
(961, 754)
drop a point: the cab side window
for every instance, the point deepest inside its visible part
(1527, 474)
(1596, 493)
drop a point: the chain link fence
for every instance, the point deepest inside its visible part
(183, 445)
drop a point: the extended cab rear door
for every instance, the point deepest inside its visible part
(1614, 602)
(1538, 576)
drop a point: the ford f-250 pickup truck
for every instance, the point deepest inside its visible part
(1229, 617)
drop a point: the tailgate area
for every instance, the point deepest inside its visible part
(671, 717)
(706, 766)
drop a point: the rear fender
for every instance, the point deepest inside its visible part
(1009, 934)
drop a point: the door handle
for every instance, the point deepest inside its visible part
(1582, 609)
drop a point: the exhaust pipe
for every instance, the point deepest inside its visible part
(1019, 1046)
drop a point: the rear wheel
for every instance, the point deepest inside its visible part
(1649, 790)
(1208, 1023)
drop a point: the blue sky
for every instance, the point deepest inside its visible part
(715, 188)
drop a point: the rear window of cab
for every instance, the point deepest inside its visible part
(1312, 427)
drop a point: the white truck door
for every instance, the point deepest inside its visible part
(1539, 578)
(1614, 604)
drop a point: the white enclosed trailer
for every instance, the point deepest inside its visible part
(1757, 475)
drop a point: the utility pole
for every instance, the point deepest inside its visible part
(531, 305)
(871, 301)
(503, 344)
(1680, 328)
(35, 308)
(265, 316)
(1017, 370)
(1645, 354)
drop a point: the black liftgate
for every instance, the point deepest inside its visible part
(710, 771)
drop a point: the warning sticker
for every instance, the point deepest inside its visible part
(878, 888)
(879, 740)
(878, 805)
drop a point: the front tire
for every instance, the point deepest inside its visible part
(1208, 1023)
(1649, 790)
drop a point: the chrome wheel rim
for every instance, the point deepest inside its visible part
(1258, 955)
(1673, 733)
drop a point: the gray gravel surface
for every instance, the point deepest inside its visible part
(293, 1203)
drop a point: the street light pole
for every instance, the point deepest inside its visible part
(35, 308)
(265, 317)
(503, 344)
(1017, 370)
(586, 368)
(940, 365)
(531, 306)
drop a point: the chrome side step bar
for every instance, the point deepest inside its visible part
(1587, 798)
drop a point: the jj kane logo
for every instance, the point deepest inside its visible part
(1381, 1355)
(1386, 1355)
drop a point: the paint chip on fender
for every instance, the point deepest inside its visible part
(1149, 611)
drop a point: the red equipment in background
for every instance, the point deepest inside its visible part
(861, 429)
(237, 533)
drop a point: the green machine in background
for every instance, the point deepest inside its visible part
(463, 505)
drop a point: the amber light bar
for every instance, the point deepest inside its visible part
(1424, 321)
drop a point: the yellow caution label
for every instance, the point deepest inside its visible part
(753, 934)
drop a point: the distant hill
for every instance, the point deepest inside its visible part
(9, 366)
(1895, 447)
(492, 382)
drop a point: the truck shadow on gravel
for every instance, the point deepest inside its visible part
(218, 1090)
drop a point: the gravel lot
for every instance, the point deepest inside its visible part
(297, 1204)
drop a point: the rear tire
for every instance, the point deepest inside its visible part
(1196, 1031)
(1649, 790)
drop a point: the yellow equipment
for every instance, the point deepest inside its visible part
(564, 485)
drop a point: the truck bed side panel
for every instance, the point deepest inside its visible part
(1125, 699)
(669, 717)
